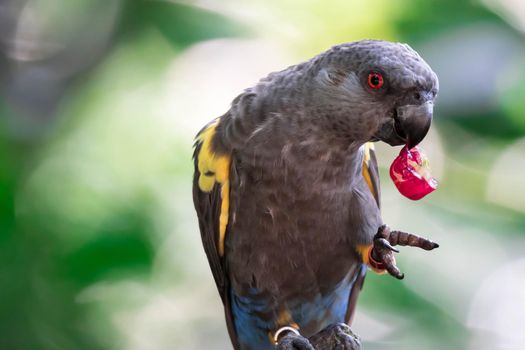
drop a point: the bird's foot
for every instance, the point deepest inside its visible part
(294, 341)
(381, 255)
(336, 337)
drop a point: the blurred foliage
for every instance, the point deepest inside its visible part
(182, 25)
(98, 243)
(424, 20)
(66, 234)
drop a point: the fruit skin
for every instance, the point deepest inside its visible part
(411, 174)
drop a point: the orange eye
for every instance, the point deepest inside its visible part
(375, 80)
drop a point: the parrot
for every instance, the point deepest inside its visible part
(287, 194)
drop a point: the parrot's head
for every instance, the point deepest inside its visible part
(373, 90)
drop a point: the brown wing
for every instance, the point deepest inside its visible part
(209, 205)
(371, 176)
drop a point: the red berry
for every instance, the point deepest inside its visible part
(411, 174)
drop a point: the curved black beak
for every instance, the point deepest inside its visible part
(409, 125)
(413, 121)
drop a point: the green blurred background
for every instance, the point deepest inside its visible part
(99, 102)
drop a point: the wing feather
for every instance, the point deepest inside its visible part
(208, 207)
(371, 176)
(210, 197)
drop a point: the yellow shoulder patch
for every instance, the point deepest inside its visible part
(366, 173)
(214, 169)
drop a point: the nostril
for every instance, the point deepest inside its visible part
(417, 96)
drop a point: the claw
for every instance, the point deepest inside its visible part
(382, 257)
(386, 244)
(383, 252)
(385, 239)
(394, 271)
(409, 239)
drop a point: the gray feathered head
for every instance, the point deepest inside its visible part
(364, 91)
